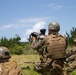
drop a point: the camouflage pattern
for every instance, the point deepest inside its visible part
(55, 46)
(55, 63)
(50, 67)
(74, 39)
(8, 67)
(54, 26)
(72, 60)
(41, 51)
(4, 53)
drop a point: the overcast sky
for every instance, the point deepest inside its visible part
(25, 16)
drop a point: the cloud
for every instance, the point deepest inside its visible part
(35, 28)
(6, 26)
(28, 20)
(23, 22)
(54, 6)
(30, 25)
(13, 26)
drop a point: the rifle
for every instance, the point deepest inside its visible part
(35, 34)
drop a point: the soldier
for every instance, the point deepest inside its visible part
(8, 67)
(55, 46)
(42, 50)
(71, 59)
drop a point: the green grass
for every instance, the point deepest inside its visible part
(26, 63)
(30, 71)
(73, 73)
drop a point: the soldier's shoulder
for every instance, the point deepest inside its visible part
(10, 64)
(12, 67)
(60, 35)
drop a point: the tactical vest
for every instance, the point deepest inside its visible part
(56, 46)
(10, 68)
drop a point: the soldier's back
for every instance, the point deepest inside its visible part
(56, 46)
(10, 68)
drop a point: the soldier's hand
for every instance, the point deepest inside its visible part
(33, 38)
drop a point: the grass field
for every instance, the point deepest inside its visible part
(26, 63)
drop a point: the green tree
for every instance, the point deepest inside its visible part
(17, 47)
(18, 50)
(16, 39)
(71, 35)
(10, 42)
(5, 42)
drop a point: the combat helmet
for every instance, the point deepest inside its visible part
(4, 53)
(54, 26)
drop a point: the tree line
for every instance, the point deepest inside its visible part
(71, 35)
(17, 47)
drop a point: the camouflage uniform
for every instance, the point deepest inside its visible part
(71, 59)
(55, 46)
(8, 67)
(41, 51)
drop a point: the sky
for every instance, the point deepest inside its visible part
(21, 17)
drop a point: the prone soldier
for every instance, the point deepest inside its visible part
(71, 59)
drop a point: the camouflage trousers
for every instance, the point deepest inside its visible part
(43, 56)
(71, 67)
(50, 67)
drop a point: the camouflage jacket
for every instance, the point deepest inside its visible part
(10, 68)
(38, 43)
(50, 44)
(71, 55)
